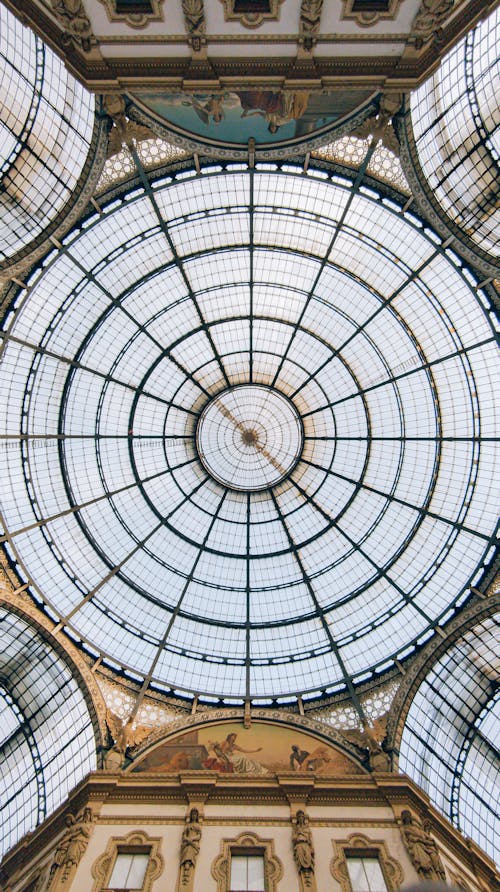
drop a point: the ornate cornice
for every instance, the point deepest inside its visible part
(119, 73)
(388, 791)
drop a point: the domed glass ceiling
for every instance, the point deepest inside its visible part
(249, 446)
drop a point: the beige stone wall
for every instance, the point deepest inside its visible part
(332, 824)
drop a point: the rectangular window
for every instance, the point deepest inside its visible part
(248, 6)
(247, 873)
(129, 872)
(365, 874)
(370, 6)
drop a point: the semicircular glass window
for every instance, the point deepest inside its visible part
(249, 448)
(46, 125)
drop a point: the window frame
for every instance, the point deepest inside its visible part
(360, 846)
(247, 844)
(136, 842)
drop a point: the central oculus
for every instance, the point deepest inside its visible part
(249, 437)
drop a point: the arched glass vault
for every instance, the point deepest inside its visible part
(207, 329)
(452, 136)
(450, 738)
(47, 742)
(49, 134)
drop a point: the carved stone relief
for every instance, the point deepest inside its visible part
(303, 852)
(248, 18)
(310, 17)
(102, 868)
(70, 849)
(360, 845)
(428, 21)
(75, 22)
(190, 849)
(221, 867)
(194, 20)
(422, 848)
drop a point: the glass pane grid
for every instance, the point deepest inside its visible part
(365, 381)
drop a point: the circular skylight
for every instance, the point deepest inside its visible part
(250, 439)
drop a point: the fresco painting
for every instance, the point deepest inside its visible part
(267, 116)
(259, 750)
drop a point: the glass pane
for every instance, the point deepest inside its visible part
(129, 871)
(247, 873)
(365, 875)
(255, 873)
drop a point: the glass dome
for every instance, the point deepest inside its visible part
(249, 447)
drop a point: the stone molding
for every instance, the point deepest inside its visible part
(360, 844)
(251, 19)
(135, 19)
(366, 18)
(273, 867)
(102, 868)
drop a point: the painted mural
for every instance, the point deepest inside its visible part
(259, 750)
(267, 116)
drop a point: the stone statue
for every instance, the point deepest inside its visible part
(303, 851)
(422, 849)
(72, 846)
(190, 848)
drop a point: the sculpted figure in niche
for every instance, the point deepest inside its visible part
(190, 848)
(422, 849)
(303, 851)
(72, 845)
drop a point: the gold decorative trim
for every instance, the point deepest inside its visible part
(361, 845)
(135, 19)
(365, 18)
(102, 868)
(273, 867)
(251, 19)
